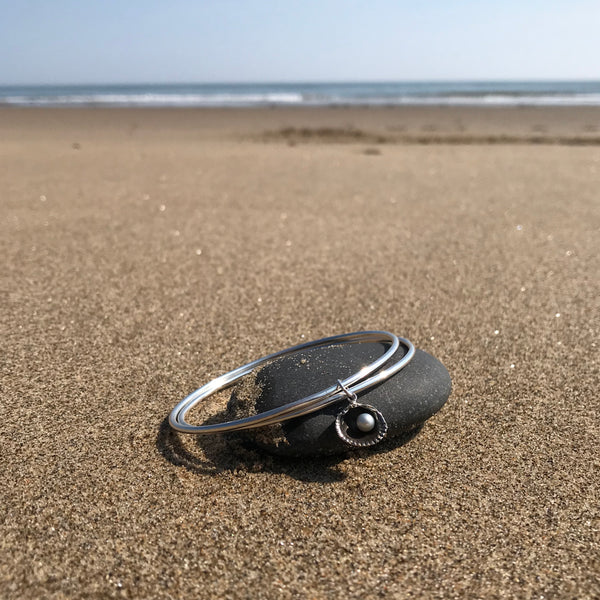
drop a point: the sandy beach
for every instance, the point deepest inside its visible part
(147, 251)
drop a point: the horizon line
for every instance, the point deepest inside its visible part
(303, 82)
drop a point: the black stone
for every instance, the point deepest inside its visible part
(406, 400)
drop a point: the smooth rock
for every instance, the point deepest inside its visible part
(406, 400)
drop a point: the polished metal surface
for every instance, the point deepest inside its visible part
(354, 384)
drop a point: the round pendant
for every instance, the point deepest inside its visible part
(361, 425)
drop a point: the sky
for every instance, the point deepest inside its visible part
(173, 41)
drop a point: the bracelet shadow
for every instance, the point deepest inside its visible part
(221, 453)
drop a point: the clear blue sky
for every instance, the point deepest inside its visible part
(120, 41)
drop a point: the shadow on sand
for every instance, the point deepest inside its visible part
(214, 454)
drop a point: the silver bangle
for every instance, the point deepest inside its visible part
(357, 424)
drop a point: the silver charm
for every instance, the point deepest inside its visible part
(360, 425)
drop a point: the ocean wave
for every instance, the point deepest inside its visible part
(297, 98)
(513, 100)
(465, 100)
(158, 100)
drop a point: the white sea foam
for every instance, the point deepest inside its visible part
(141, 100)
(468, 100)
(359, 94)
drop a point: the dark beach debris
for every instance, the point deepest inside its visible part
(334, 135)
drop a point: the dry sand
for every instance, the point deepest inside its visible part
(144, 252)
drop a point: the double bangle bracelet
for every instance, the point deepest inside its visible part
(357, 424)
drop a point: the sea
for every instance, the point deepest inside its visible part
(436, 93)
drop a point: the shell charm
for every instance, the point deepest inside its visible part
(361, 425)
